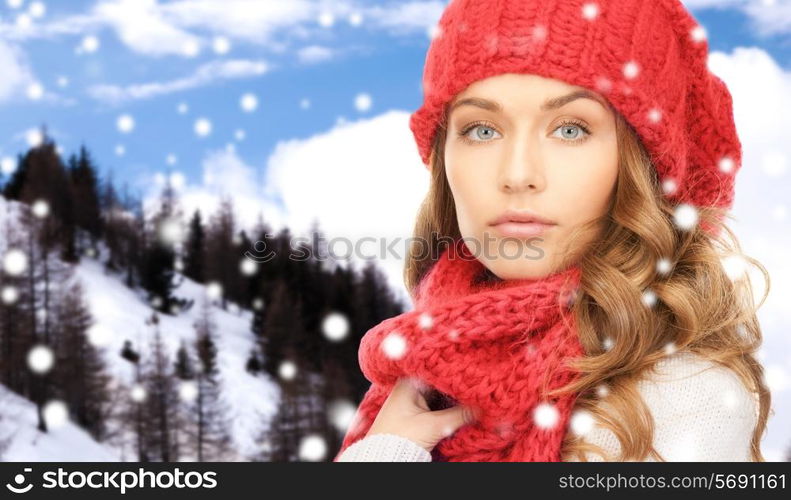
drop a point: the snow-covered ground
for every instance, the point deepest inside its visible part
(120, 314)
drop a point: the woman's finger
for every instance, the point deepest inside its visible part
(450, 419)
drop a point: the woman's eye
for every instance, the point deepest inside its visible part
(573, 132)
(481, 133)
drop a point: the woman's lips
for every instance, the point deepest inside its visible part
(522, 229)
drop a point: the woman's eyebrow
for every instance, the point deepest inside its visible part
(548, 105)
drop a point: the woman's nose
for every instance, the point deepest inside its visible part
(522, 170)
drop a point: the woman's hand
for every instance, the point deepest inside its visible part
(406, 414)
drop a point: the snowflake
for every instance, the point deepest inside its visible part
(726, 164)
(239, 135)
(590, 11)
(171, 232)
(40, 359)
(425, 321)
(138, 393)
(99, 335)
(40, 209)
(221, 45)
(287, 370)
(7, 165)
(90, 44)
(362, 102)
(669, 186)
(735, 266)
(188, 391)
(607, 343)
(355, 19)
(15, 262)
(654, 115)
(434, 31)
(326, 19)
(582, 422)
(190, 48)
(698, 33)
(214, 290)
(341, 413)
(685, 216)
(34, 137)
(631, 70)
(37, 9)
(394, 345)
(545, 415)
(10, 294)
(63, 81)
(35, 91)
(258, 304)
(649, 298)
(202, 127)
(55, 413)
(248, 102)
(335, 326)
(182, 108)
(248, 267)
(670, 348)
(304, 103)
(312, 448)
(120, 150)
(125, 123)
(663, 266)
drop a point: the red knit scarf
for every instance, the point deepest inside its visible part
(493, 345)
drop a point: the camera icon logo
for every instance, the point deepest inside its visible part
(19, 479)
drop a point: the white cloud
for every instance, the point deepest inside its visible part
(761, 89)
(17, 75)
(141, 25)
(360, 179)
(224, 174)
(314, 54)
(181, 27)
(205, 75)
(768, 17)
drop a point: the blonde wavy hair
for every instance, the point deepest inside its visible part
(699, 308)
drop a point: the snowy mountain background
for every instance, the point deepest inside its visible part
(120, 314)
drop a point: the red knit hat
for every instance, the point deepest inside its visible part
(647, 57)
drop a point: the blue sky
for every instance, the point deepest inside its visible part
(298, 95)
(335, 82)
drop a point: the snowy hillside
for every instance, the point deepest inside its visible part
(120, 315)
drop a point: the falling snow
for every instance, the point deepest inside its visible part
(590, 11)
(312, 448)
(248, 102)
(362, 102)
(545, 415)
(582, 422)
(631, 70)
(40, 209)
(394, 345)
(685, 216)
(202, 127)
(40, 359)
(15, 262)
(335, 326)
(125, 123)
(287, 370)
(56, 415)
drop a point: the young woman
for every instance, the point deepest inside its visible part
(576, 289)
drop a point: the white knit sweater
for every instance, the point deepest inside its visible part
(702, 413)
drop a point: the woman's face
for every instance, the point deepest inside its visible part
(542, 152)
